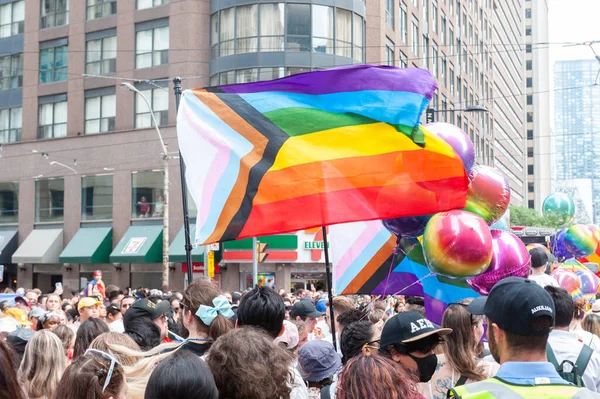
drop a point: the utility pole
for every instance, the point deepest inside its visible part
(165, 260)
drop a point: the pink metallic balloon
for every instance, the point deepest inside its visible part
(489, 193)
(510, 258)
(457, 139)
(457, 244)
(569, 281)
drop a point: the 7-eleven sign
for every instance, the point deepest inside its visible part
(316, 246)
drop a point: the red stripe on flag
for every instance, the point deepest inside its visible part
(272, 255)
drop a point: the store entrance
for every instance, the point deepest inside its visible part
(309, 281)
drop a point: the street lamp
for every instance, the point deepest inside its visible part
(165, 259)
(430, 112)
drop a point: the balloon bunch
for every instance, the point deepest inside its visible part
(577, 241)
(460, 243)
(577, 279)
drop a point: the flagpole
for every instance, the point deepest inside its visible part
(186, 217)
(329, 279)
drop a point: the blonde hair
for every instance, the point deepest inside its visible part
(66, 336)
(43, 365)
(110, 342)
(377, 315)
(591, 323)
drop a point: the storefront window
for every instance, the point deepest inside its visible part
(9, 202)
(308, 281)
(264, 280)
(147, 194)
(49, 200)
(96, 197)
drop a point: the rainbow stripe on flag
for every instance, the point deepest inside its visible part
(314, 149)
(362, 255)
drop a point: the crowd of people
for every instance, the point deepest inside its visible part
(264, 344)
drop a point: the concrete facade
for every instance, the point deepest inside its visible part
(539, 131)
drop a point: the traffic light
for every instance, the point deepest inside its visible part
(261, 251)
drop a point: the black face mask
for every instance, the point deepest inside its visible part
(426, 366)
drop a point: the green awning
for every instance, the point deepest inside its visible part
(177, 248)
(89, 245)
(140, 244)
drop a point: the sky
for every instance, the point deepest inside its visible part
(573, 21)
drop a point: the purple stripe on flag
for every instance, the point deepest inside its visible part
(434, 309)
(398, 282)
(355, 77)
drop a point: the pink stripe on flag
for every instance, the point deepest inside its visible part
(359, 245)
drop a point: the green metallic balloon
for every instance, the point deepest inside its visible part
(558, 208)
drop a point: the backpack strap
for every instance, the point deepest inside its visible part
(552, 358)
(583, 359)
(461, 381)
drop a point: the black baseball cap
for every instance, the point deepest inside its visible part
(407, 327)
(539, 257)
(305, 309)
(146, 308)
(113, 309)
(514, 304)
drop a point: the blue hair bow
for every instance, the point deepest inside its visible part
(222, 307)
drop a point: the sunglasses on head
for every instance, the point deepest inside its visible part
(111, 369)
(464, 305)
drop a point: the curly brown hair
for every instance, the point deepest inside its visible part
(247, 364)
(375, 377)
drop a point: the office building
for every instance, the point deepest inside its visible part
(82, 167)
(537, 88)
(576, 110)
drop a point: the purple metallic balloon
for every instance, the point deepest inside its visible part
(509, 258)
(588, 281)
(407, 227)
(559, 249)
(457, 139)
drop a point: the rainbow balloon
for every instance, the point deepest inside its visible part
(580, 241)
(457, 244)
(489, 193)
(534, 245)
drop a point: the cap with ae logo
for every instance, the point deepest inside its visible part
(409, 327)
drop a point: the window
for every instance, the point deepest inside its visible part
(443, 68)
(389, 13)
(530, 117)
(529, 82)
(343, 33)
(415, 36)
(101, 53)
(529, 65)
(529, 100)
(425, 57)
(97, 9)
(54, 61)
(415, 3)
(246, 29)
(358, 38)
(451, 40)
(527, 31)
(142, 4)
(434, 60)
(11, 71)
(11, 121)
(271, 27)
(403, 60)
(530, 169)
(9, 202)
(530, 134)
(528, 48)
(248, 75)
(322, 29)
(147, 194)
(389, 52)
(12, 19)
(434, 17)
(54, 13)
(271, 73)
(451, 77)
(443, 29)
(96, 197)
(100, 110)
(158, 99)
(403, 23)
(529, 151)
(531, 204)
(297, 26)
(49, 200)
(528, 13)
(152, 45)
(52, 116)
